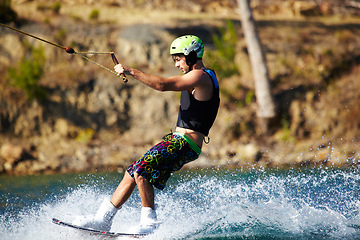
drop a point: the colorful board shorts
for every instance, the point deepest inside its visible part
(166, 157)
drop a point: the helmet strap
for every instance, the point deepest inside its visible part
(191, 59)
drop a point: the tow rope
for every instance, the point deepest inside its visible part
(72, 51)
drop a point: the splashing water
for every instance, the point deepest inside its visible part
(211, 204)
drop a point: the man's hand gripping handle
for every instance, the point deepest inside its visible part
(117, 62)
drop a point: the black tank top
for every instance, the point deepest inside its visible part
(199, 115)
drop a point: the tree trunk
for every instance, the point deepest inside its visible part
(264, 98)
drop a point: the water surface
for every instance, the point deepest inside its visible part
(207, 204)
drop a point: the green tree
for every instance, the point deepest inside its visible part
(94, 14)
(27, 74)
(222, 59)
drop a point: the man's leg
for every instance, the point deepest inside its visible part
(148, 220)
(146, 191)
(123, 191)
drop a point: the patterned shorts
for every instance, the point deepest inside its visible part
(163, 159)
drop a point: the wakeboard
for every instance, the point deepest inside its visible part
(96, 232)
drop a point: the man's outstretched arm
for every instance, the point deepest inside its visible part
(175, 83)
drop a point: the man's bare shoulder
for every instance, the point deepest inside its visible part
(199, 75)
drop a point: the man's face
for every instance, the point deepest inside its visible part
(180, 62)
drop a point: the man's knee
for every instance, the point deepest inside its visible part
(139, 179)
(128, 180)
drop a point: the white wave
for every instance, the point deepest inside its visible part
(200, 206)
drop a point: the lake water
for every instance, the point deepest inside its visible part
(208, 204)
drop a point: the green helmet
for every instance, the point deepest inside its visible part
(186, 44)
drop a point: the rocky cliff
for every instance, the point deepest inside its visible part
(91, 120)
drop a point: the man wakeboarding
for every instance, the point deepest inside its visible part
(199, 105)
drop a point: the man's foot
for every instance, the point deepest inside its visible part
(102, 220)
(91, 222)
(148, 222)
(143, 229)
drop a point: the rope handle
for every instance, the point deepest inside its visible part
(117, 62)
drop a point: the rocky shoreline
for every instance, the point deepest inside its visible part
(76, 157)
